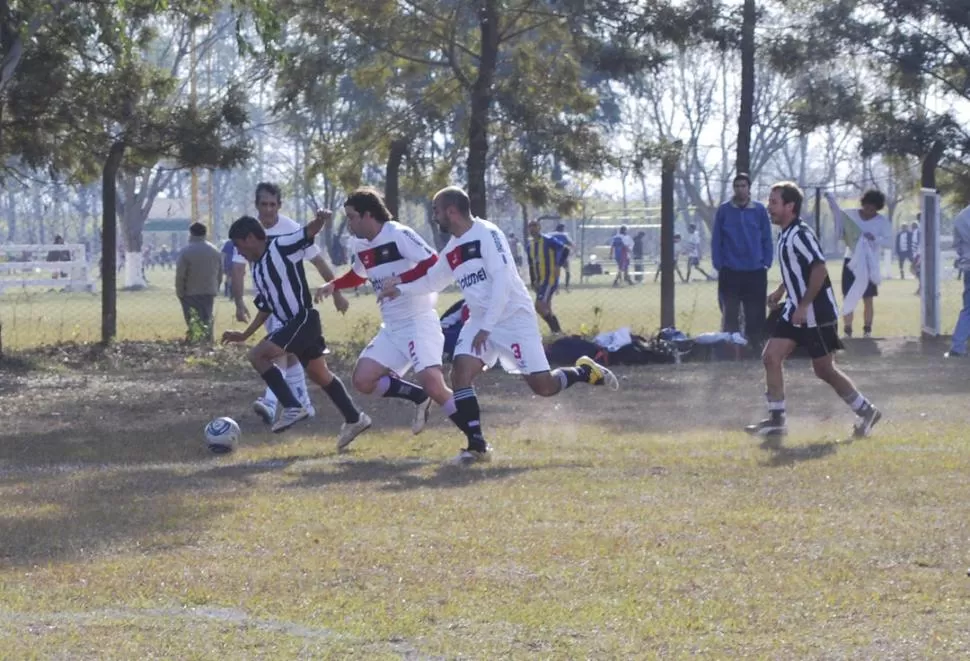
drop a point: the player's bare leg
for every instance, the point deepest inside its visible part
(868, 314)
(774, 355)
(467, 414)
(264, 358)
(355, 420)
(847, 323)
(432, 381)
(371, 376)
(544, 310)
(869, 415)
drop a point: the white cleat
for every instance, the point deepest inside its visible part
(351, 430)
(421, 413)
(264, 410)
(468, 457)
(288, 418)
(599, 374)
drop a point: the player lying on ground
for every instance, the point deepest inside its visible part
(501, 325)
(283, 292)
(410, 335)
(809, 319)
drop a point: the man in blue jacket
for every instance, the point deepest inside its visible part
(742, 250)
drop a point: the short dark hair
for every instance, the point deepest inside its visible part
(790, 193)
(742, 176)
(245, 226)
(197, 229)
(453, 196)
(561, 227)
(875, 198)
(368, 200)
(272, 189)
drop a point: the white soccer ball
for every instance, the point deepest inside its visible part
(222, 435)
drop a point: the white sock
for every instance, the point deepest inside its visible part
(270, 398)
(296, 379)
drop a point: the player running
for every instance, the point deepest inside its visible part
(501, 323)
(410, 335)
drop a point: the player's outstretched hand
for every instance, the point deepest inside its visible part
(323, 292)
(231, 336)
(242, 314)
(774, 300)
(340, 302)
(478, 344)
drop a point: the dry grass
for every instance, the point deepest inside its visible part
(638, 524)
(34, 319)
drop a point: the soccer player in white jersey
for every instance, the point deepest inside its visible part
(268, 202)
(410, 335)
(502, 324)
(809, 318)
(283, 292)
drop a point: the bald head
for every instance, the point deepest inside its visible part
(453, 196)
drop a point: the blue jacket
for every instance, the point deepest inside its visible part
(741, 239)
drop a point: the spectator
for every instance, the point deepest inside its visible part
(515, 247)
(197, 276)
(917, 252)
(227, 252)
(904, 249)
(961, 243)
(563, 236)
(638, 255)
(59, 256)
(677, 252)
(693, 251)
(742, 252)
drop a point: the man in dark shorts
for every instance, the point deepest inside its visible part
(277, 265)
(809, 318)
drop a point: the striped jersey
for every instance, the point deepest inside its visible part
(546, 253)
(396, 251)
(798, 251)
(480, 263)
(280, 279)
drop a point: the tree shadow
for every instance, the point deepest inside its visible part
(783, 455)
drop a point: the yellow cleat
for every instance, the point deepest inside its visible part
(599, 374)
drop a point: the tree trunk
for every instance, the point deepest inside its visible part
(392, 175)
(749, 18)
(481, 99)
(11, 216)
(109, 243)
(930, 163)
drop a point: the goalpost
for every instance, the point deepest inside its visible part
(929, 252)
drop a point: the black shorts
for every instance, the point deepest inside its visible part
(848, 279)
(819, 341)
(301, 336)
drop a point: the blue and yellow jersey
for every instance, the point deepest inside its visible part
(546, 254)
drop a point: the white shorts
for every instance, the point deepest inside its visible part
(416, 343)
(516, 342)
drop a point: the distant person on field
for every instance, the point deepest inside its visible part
(638, 255)
(677, 252)
(961, 243)
(198, 273)
(563, 236)
(546, 254)
(742, 252)
(228, 250)
(917, 255)
(621, 247)
(904, 249)
(693, 251)
(59, 256)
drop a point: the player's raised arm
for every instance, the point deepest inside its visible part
(355, 277)
(496, 254)
(415, 249)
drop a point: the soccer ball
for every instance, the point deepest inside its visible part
(222, 435)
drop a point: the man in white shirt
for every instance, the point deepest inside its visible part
(693, 250)
(502, 324)
(865, 232)
(410, 335)
(621, 247)
(269, 199)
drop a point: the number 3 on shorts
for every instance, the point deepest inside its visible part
(517, 351)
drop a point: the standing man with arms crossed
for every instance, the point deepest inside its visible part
(547, 255)
(742, 251)
(809, 319)
(501, 325)
(410, 335)
(268, 202)
(283, 292)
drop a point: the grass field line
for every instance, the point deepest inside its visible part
(232, 616)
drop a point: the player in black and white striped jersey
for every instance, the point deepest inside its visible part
(809, 318)
(284, 293)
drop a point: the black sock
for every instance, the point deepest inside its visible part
(569, 375)
(867, 329)
(395, 387)
(277, 383)
(553, 323)
(469, 418)
(341, 398)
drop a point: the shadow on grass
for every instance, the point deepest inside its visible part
(788, 456)
(402, 475)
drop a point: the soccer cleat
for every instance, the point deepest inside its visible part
(264, 410)
(867, 421)
(421, 413)
(599, 374)
(351, 430)
(848, 331)
(769, 428)
(468, 456)
(954, 354)
(288, 418)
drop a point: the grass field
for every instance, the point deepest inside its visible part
(638, 524)
(36, 318)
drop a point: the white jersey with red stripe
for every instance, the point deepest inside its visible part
(396, 251)
(481, 263)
